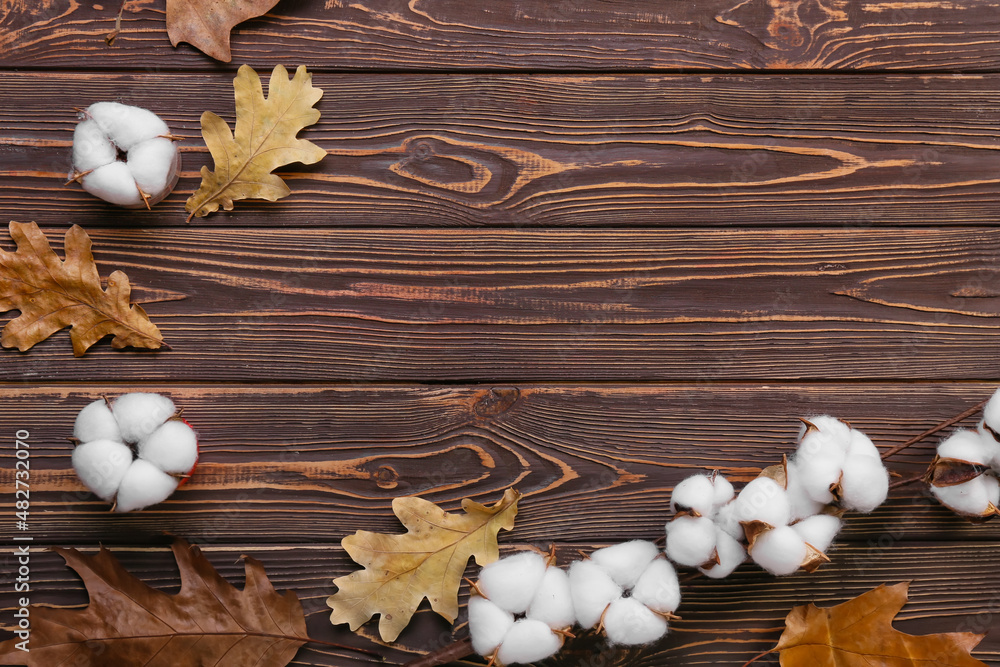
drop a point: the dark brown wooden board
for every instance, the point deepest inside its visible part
(848, 35)
(357, 306)
(566, 151)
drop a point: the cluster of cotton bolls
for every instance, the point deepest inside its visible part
(525, 606)
(788, 516)
(165, 450)
(963, 475)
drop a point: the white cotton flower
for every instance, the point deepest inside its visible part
(101, 465)
(828, 437)
(991, 444)
(965, 445)
(592, 590)
(696, 492)
(862, 445)
(731, 555)
(173, 447)
(819, 474)
(690, 540)
(153, 164)
(139, 414)
(126, 125)
(763, 499)
(991, 412)
(511, 582)
(723, 492)
(818, 530)
(864, 484)
(658, 587)
(779, 551)
(113, 183)
(528, 641)
(630, 623)
(624, 562)
(800, 503)
(553, 601)
(91, 148)
(726, 519)
(971, 498)
(95, 422)
(488, 624)
(143, 485)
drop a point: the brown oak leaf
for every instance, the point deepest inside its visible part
(427, 561)
(206, 24)
(859, 633)
(53, 294)
(209, 622)
(264, 140)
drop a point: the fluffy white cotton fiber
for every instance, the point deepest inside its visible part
(971, 498)
(528, 641)
(488, 624)
(139, 414)
(113, 183)
(143, 485)
(779, 551)
(658, 587)
(629, 622)
(864, 483)
(968, 446)
(818, 530)
(690, 540)
(91, 149)
(696, 492)
(553, 601)
(592, 590)
(96, 422)
(731, 554)
(101, 465)
(763, 499)
(511, 582)
(173, 447)
(624, 562)
(126, 125)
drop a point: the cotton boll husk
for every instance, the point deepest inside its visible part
(725, 518)
(511, 582)
(968, 446)
(626, 561)
(779, 551)
(553, 601)
(143, 485)
(695, 492)
(731, 556)
(800, 503)
(101, 465)
(658, 587)
(817, 474)
(96, 422)
(864, 484)
(173, 447)
(970, 498)
(690, 540)
(527, 641)
(818, 530)
(154, 164)
(91, 149)
(127, 125)
(861, 445)
(629, 622)
(723, 492)
(114, 184)
(830, 437)
(592, 590)
(139, 414)
(763, 499)
(488, 624)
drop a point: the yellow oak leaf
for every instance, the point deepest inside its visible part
(53, 294)
(427, 561)
(206, 24)
(264, 140)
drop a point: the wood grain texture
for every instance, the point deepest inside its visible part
(847, 35)
(568, 151)
(288, 465)
(360, 306)
(724, 622)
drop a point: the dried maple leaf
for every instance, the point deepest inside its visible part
(53, 294)
(206, 24)
(128, 623)
(427, 561)
(264, 140)
(859, 633)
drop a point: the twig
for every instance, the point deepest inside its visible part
(454, 651)
(943, 425)
(757, 657)
(905, 482)
(109, 39)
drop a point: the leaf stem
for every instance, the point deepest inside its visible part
(931, 431)
(757, 657)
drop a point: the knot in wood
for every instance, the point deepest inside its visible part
(496, 401)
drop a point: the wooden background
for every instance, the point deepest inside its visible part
(577, 246)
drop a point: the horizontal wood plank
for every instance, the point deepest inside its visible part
(306, 464)
(360, 306)
(568, 151)
(723, 622)
(533, 34)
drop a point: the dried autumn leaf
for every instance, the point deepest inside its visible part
(209, 622)
(427, 561)
(53, 294)
(206, 24)
(264, 140)
(859, 633)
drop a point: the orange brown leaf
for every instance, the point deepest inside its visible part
(206, 24)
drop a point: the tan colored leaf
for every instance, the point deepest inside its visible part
(206, 24)
(859, 633)
(209, 622)
(53, 294)
(264, 140)
(427, 561)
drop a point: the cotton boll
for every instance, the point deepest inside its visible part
(725, 518)
(126, 125)
(658, 587)
(139, 414)
(779, 551)
(488, 624)
(695, 492)
(101, 465)
(966, 445)
(690, 540)
(763, 499)
(91, 149)
(143, 485)
(991, 412)
(864, 484)
(173, 448)
(800, 502)
(626, 561)
(592, 590)
(153, 164)
(527, 641)
(731, 556)
(629, 622)
(991, 446)
(861, 445)
(553, 601)
(113, 183)
(818, 530)
(95, 422)
(992, 489)
(970, 498)
(511, 582)
(830, 437)
(723, 492)
(818, 474)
